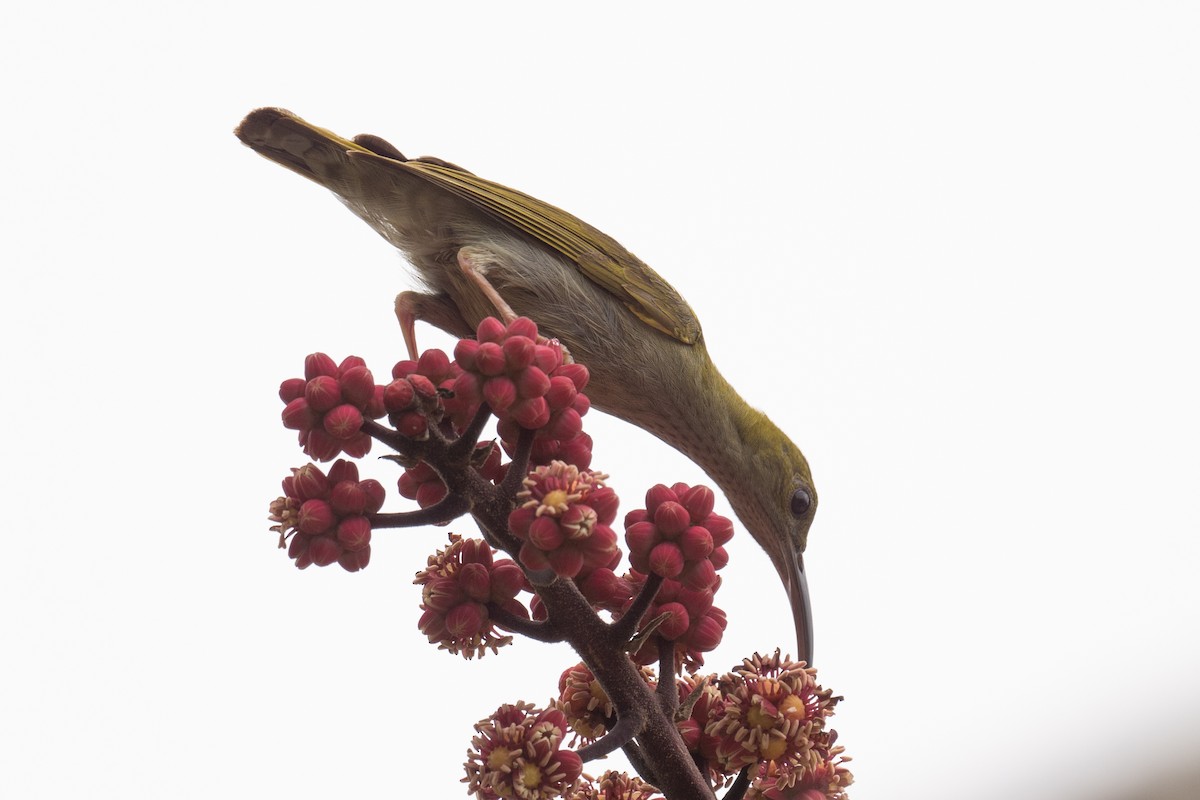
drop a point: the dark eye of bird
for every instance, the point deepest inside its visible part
(801, 500)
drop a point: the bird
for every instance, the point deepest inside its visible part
(479, 247)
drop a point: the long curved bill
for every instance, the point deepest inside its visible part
(796, 584)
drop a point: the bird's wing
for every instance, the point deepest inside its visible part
(599, 257)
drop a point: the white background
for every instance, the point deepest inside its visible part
(951, 248)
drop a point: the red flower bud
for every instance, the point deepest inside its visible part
(422, 386)
(565, 424)
(343, 422)
(468, 387)
(561, 392)
(319, 364)
(657, 495)
(292, 388)
(720, 527)
(570, 766)
(309, 482)
(430, 493)
(490, 359)
(375, 495)
(532, 382)
(523, 326)
(476, 582)
(490, 330)
(565, 561)
(719, 557)
(699, 574)
(466, 620)
(343, 470)
(519, 521)
(699, 501)
(547, 358)
(465, 352)
(398, 395)
(476, 551)
(671, 518)
(433, 364)
(433, 625)
(402, 369)
(354, 560)
(696, 543)
(578, 374)
(348, 497)
(499, 393)
(507, 581)
(376, 408)
(315, 517)
(604, 502)
(323, 393)
(349, 363)
(581, 404)
(518, 352)
(532, 558)
(297, 416)
(577, 451)
(641, 537)
(531, 414)
(358, 385)
(357, 446)
(354, 532)
(675, 625)
(708, 631)
(666, 559)
(412, 424)
(323, 551)
(545, 533)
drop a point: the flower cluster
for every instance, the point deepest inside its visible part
(772, 711)
(589, 711)
(422, 391)
(459, 585)
(328, 405)
(327, 516)
(564, 521)
(822, 775)
(613, 786)
(516, 754)
(694, 626)
(528, 386)
(678, 536)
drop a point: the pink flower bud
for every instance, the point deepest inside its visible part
(442, 594)
(499, 393)
(719, 557)
(520, 520)
(323, 393)
(358, 385)
(402, 369)
(398, 395)
(348, 497)
(523, 327)
(532, 382)
(343, 470)
(577, 451)
(476, 551)
(354, 532)
(430, 493)
(699, 574)
(319, 364)
(422, 386)
(376, 408)
(315, 517)
(561, 392)
(309, 482)
(433, 625)
(354, 560)
(507, 581)
(412, 424)
(323, 550)
(465, 352)
(545, 533)
(468, 387)
(297, 416)
(696, 543)
(641, 537)
(489, 360)
(518, 352)
(570, 766)
(291, 389)
(349, 363)
(657, 495)
(720, 527)
(677, 624)
(604, 502)
(343, 422)
(565, 424)
(565, 561)
(708, 631)
(671, 518)
(298, 546)
(531, 414)
(357, 446)
(577, 373)
(532, 558)
(666, 559)
(581, 404)
(320, 446)
(699, 501)
(490, 330)
(375, 495)
(476, 582)
(547, 358)
(433, 364)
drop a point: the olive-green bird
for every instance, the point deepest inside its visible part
(479, 247)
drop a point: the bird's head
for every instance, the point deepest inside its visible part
(776, 500)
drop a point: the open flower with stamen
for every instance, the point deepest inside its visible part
(773, 707)
(516, 754)
(586, 705)
(614, 786)
(460, 586)
(564, 521)
(821, 775)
